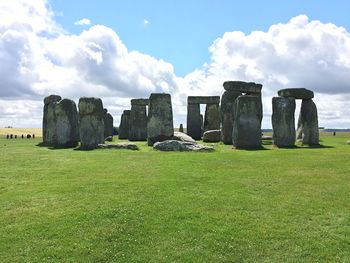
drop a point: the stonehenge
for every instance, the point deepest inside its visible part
(283, 118)
(237, 121)
(246, 132)
(194, 119)
(60, 122)
(91, 115)
(138, 120)
(160, 118)
(124, 126)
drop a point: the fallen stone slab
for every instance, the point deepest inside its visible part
(242, 86)
(180, 136)
(179, 146)
(212, 136)
(297, 93)
(127, 146)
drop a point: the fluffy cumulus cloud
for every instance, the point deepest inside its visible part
(39, 58)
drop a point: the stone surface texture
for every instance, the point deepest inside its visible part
(283, 123)
(108, 124)
(308, 123)
(124, 125)
(211, 117)
(126, 146)
(179, 136)
(243, 87)
(91, 115)
(160, 125)
(247, 126)
(138, 121)
(212, 136)
(297, 93)
(173, 145)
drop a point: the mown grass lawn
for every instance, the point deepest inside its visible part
(273, 205)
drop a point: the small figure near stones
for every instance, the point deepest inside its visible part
(15, 136)
(334, 133)
(33, 136)
(7, 136)
(11, 136)
(29, 136)
(22, 136)
(181, 129)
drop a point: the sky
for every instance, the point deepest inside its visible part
(118, 50)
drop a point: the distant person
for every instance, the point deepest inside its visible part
(22, 136)
(16, 136)
(29, 136)
(33, 136)
(334, 133)
(7, 136)
(11, 136)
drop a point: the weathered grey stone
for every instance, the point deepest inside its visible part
(108, 124)
(181, 129)
(49, 121)
(124, 126)
(260, 103)
(127, 146)
(138, 121)
(91, 122)
(211, 117)
(227, 115)
(179, 136)
(109, 139)
(203, 99)
(52, 98)
(283, 122)
(212, 136)
(160, 118)
(243, 87)
(297, 93)
(172, 145)
(247, 126)
(140, 102)
(308, 123)
(67, 128)
(194, 121)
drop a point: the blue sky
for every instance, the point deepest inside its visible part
(180, 31)
(186, 48)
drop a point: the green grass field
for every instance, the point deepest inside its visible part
(273, 205)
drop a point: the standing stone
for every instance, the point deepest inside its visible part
(247, 126)
(160, 118)
(108, 124)
(211, 117)
(283, 122)
(49, 122)
(308, 123)
(124, 125)
(194, 121)
(138, 120)
(227, 115)
(91, 122)
(181, 129)
(67, 127)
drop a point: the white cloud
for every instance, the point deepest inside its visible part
(145, 22)
(38, 58)
(83, 22)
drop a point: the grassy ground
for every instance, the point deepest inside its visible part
(273, 205)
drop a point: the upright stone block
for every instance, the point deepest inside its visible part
(212, 117)
(67, 127)
(283, 122)
(49, 121)
(194, 121)
(181, 128)
(91, 115)
(160, 118)
(308, 123)
(108, 124)
(247, 126)
(227, 115)
(124, 126)
(138, 120)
